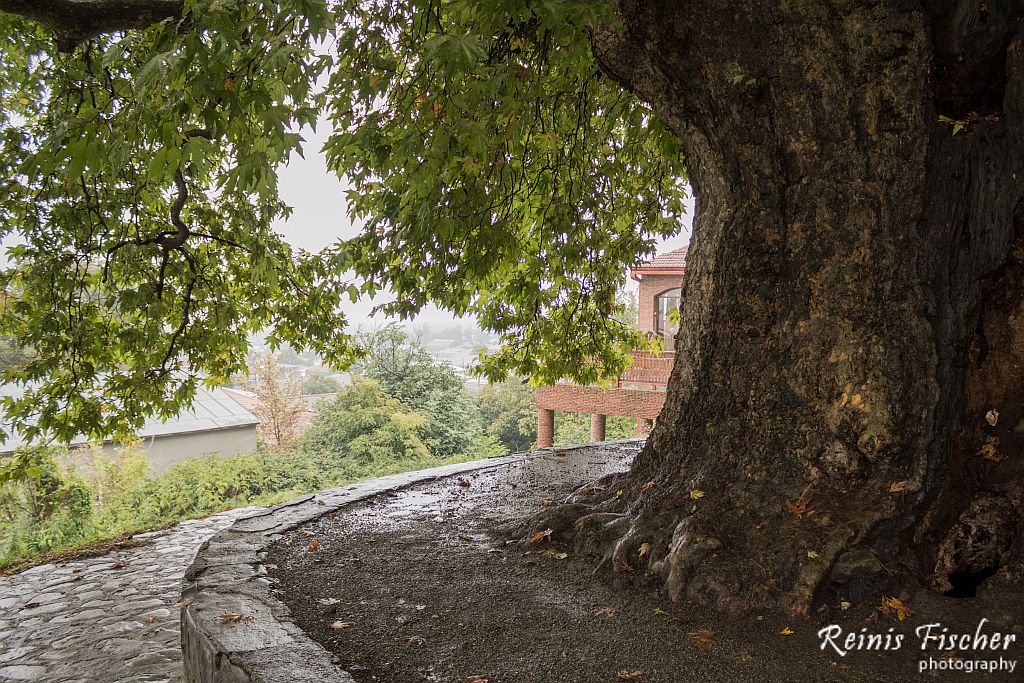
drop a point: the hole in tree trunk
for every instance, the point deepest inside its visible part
(965, 584)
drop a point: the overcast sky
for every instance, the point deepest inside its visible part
(321, 217)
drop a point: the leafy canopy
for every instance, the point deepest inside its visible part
(497, 172)
(406, 372)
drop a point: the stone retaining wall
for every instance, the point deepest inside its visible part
(228, 577)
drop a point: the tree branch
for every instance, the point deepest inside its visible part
(72, 21)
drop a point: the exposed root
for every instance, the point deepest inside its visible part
(814, 573)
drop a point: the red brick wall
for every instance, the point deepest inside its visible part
(628, 402)
(651, 286)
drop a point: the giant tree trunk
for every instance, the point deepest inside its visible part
(852, 305)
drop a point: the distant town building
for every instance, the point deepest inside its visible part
(640, 391)
(216, 424)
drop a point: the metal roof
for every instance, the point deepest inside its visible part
(211, 410)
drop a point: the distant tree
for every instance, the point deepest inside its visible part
(408, 373)
(320, 383)
(364, 424)
(627, 310)
(11, 354)
(289, 356)
(572, 428)
(279, 402)
(509, 414)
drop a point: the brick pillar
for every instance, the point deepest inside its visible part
(643, 426)
(545, 427)
(597, 422)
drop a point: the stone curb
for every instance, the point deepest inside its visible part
(227, 576)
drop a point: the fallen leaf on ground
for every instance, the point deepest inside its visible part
(328, 601)
(630, 675)
(813, 554)
(233, 618)
(648, 486)
(896, 608)
(554, 555)
(644, 549)
(786, 631)
(844, 605)
(658, 612)
(415, 641)
(606, 612)
(185, 602)
(992, 417)
(463, 482)
(76, 570)
(313, 546)
(696, 494)
(465, 537)
(339, 625)
(618, 494)
(743, 656)
(703, 638)
(541, 535)
(119, 565)
(799, 508)
(150, 618)
(592, 488)
(305, 532)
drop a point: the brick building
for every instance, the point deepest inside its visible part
(640, 391)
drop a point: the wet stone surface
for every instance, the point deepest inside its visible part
(111, 618)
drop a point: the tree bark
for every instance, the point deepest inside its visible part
(851, 306)
(73, 21)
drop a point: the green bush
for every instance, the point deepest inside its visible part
(50, 508)
(573, 428)
(56, 510)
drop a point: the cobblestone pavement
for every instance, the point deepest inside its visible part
(111, 619)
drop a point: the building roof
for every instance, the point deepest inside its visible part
(670, 263)
(211, 410)
(246, 399)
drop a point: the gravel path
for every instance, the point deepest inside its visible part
(108, 619)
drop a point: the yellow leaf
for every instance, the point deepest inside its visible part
(618, 494)
(989, 452)
(644, 549)
(896, 608)
(696, 494)
(786, 631)
(703, 638)
(898, 486)
(541, 535)
(844, 605)
(813, 554)
(232, 618)
(630, 675)
(554, 555)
